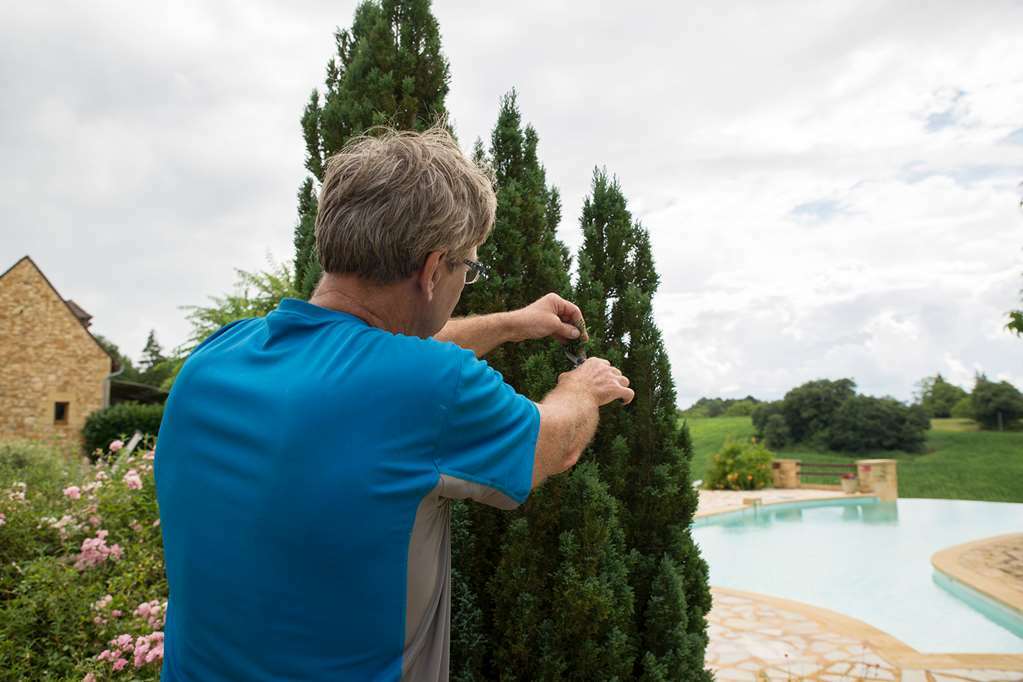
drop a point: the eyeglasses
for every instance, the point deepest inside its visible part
(475, 271)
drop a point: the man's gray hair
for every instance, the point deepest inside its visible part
(389, 198)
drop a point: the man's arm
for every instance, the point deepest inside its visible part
(548, 316)
(570, 413)
(480, 333)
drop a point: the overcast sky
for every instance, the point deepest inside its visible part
(831, 188)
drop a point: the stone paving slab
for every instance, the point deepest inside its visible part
(758, 638)
(992, 566)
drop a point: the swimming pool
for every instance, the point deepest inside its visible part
(866, 559)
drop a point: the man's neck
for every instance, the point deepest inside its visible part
(382, 306)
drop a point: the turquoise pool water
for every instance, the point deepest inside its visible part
(866, 559)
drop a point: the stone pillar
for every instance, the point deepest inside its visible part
(785, 473)
(878, 477)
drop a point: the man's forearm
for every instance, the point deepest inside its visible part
(479, 333)
(568, 423)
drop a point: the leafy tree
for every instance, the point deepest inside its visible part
(643, 453)
(937, 396)
(1015, 324)
(388, 70)
(128, 370)
(152, 352)
(864, 423)
(155, 367)
(996, 405)
(776, 432)
(963, 409)
(255, 294)
(809, 408)
(763, 414)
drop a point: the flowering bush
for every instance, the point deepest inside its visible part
(740, 466)
(82, 589)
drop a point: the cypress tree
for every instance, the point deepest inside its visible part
(527, 261)
(562, 596)
(643, 453)
(389, 70)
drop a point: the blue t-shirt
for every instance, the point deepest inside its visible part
(304, 470)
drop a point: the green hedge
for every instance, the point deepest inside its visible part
(119, 422)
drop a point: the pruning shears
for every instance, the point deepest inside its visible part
(575, 350)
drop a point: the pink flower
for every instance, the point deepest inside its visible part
(73, 492)
(95, 520)
(3, 519)
(120, 663)
(123, 641)
(89, 678)
(117, 613)
(132, 480)
(150, 455)
(135, 526)
(156, 653)
(95, 551)
(116, 445)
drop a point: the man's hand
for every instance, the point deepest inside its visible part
(598, 380)
(548, 316)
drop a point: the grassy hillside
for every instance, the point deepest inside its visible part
(960, 463)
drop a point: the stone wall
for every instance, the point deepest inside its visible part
(46, 356)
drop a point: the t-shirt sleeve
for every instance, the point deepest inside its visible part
(486, 449)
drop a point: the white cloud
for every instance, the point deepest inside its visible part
(831, 188)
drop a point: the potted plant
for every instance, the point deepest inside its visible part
(850, 483)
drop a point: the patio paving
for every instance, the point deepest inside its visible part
(758, 638)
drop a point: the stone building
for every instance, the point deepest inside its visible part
(53, 371)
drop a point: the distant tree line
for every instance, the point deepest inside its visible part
(154, 368)
(994, 405)
(830, 414)
(721, 407)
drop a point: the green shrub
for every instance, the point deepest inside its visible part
(996, 404)
(35, 464)
(55, 615)
(963, 409)
(740, 466)
(119, 422)
(865, 423)
(762, 413)
(776, 432)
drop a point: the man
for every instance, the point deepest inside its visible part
(307, 459)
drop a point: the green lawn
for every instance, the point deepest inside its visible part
(959, 463)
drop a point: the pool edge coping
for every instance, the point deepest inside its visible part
(946, 562)
(828, 498)
(889, 647)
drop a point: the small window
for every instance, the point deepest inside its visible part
(60, 411)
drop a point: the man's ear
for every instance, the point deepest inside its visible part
(429, 274)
